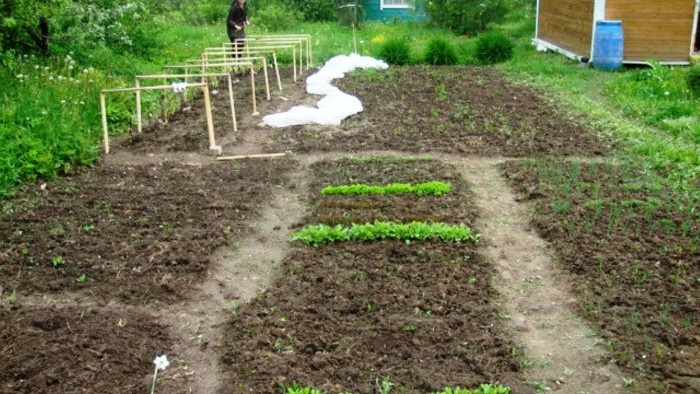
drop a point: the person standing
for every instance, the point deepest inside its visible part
(236, 22)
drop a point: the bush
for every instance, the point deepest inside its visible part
(465, 16)
(277, 17)
(395, 51)
(440, 52)
(206, 12)
(125, 28)
(693, 79)
(493, 48)
(316, 10)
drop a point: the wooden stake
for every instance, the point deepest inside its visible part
(233, 109)
(277, 71)
(105, 135)
(210, 121)
(258, 156)
(252, 90)
(139, 124)
(267, 84)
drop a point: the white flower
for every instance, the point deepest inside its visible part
(161, 362)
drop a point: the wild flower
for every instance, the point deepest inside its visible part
(161, 363)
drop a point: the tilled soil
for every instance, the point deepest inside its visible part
(469, 110)
(136, 233)
(47, 349)
(85, 258)
(344, 317)
(634, 258)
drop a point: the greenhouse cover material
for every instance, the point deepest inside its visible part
(336, 105)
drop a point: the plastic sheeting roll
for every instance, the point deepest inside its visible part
(336, 105)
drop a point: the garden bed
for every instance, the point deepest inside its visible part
(632, 245)
(471, 110)
(137, 233)
(349, 316)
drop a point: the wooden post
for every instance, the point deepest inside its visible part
(257, 156)
(139, 124)
(165, 102)
(267, 84)
(294, 62)
(277, 71)
(210, 121)
(252, 92)
(230, 96)
(105, 135)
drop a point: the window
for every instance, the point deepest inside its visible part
(396, 4)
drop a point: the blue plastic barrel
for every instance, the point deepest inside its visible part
(608, 45)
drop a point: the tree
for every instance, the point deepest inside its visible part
(24, 24)
(465, 16)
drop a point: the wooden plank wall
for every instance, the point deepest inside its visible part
(567, 24)
(654, 29)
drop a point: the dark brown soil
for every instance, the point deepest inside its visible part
(90, 249)
(77, 350)
(635, 261)
(345, 317)
(140, 233)
(468, 110)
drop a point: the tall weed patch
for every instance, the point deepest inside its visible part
(661, 97)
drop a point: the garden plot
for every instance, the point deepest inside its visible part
(351, 316)
(137, 233)
(632, 246)
(449, 109)
(186, 130)
(77, 349)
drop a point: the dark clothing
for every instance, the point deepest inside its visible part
(237, 16)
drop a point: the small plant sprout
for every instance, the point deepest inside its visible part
(81, 279)
(384, 386)
(58, 261)
(161, 363)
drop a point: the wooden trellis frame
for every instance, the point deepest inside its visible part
(207, 108)
(262, 41)
(226, 53)
(227, 66)
(294, 37)
(223, 59)
(165, 77)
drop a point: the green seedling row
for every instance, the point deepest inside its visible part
(433, 188)
(321, 233)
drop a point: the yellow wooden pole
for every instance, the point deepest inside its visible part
(139, 124)
(252, 90)
(233, 108)
(105, 135)
(210, 122)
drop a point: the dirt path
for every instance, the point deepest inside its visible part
(239, 274)
(561, 350)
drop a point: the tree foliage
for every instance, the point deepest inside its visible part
(468, 17)
(24, 24)
(46, 26)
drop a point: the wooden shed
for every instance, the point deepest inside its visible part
(390, 10)
(661, 30)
